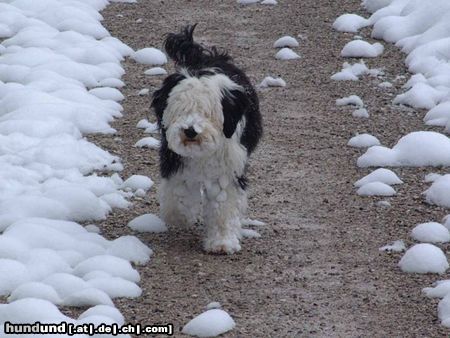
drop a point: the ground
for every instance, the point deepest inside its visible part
(316, 271)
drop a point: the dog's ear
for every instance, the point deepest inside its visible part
(159, 101)
(234, 105)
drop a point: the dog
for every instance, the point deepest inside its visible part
(208, 114)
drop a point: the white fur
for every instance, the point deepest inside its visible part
(206, 187)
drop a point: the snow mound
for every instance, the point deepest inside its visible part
(363, 141)
(351, 72)
(353, 100)
(155, 71)
(431, 232)
(380, 175)
(148, 223)
(145, 124)
(249, 233)
(272, 82)
(269, 2)
(444, 310)
(213, 305)
(104, 310)
(148, 142)
(350, 23)
(439, 290)
(359, 48)
(374, 5)
(286, 54)
(286, 41)
(438, 192)
(247, 2)
(144, 92)
(383, 204)
(209, 324)
(361, 112)
(424, 258)
(376, 189)
(136, 182)
(417, 149)
(385, 85)
(397, 246)
(150, 56)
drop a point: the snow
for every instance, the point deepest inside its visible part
(213, 305)
(397, 246)
(359, 48)
(148, 223)
(115, 266)
(361, 112)
(351, 72)
(286, 41)
(375, 189)
(150, 56)
(87, 297)
(383, 204)
(247, 2)
(209, 324)
(350, 23)
(144, 124)
(104, 310)
(59, 77)
(272, 82)
(363, 141)
(385, 85)
(131, 249)
(421, 30)
(286, 54)
(439, 116)
(424, 258)
(380, 175)
(144, 92)
(431, 232)
(353, 100)
(269, 2)
(439, 290)
(444, 311)
(148, 142)
(116, 287)
(155, 71)
(374, 5)
(138, 182)
(421, 148)
(438, 192)
(431, 177)
(249, 233)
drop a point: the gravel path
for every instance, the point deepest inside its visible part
(316, 270)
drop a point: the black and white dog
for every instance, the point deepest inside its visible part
(210, 123)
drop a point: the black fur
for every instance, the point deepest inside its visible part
(198, 60)
(170, 162)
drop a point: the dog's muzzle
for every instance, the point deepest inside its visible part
(190, 133)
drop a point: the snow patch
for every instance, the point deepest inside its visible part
(209, 324)
(424, 258)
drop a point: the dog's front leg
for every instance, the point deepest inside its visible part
(180, 200)
(221, 215)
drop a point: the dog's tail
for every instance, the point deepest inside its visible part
(185, 52)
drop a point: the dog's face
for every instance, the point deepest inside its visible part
(200, 113)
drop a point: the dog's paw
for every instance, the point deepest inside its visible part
(223, 246)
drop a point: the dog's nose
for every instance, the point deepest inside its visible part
(190, 132)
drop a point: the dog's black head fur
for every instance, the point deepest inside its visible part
(199, 61)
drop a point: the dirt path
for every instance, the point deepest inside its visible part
(316, 270)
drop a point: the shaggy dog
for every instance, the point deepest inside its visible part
(208, 113)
